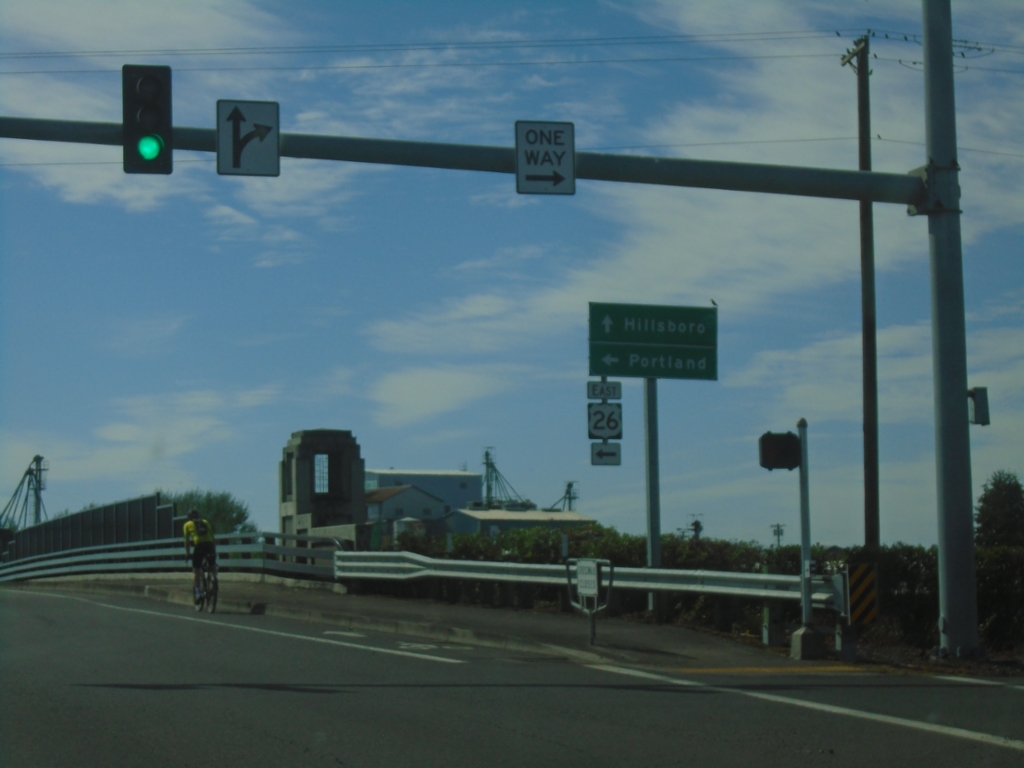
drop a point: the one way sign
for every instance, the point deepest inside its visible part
(545, 158)
(248, 142)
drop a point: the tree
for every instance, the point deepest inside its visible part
(1000, 517)
(228, 514)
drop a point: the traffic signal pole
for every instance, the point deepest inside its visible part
(805, 528)
(958, 597)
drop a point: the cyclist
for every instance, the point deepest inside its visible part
(199, 532)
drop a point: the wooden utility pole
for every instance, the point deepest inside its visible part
(867, 296)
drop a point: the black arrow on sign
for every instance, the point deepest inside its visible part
(601, 454)
(238, 141)
(555, 178)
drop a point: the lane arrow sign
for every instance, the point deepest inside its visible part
(607, 323)
(238, 142)
(248, 138)
(608, 359)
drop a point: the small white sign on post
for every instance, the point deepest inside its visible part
(604, 390)
(606, 454)
(586, 578)
(248, 138)
(545, 158)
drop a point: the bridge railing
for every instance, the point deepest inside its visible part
(304, 557)
(827, 592)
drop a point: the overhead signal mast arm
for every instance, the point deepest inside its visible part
(879, 187)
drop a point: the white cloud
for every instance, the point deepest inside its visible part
(503, 197)
(270, 259)
(416, 394)
(822, 381)
(145, 441)
(144, 337)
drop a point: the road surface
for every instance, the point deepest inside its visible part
(118, 681)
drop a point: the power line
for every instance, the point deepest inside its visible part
(718, 143)
(458, 45)
(435, 65)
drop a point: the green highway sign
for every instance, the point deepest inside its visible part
(645, 340)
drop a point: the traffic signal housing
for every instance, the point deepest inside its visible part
(147, 133)
(779, 450)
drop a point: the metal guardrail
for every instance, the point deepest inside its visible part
(323, 558)
(272, 553)
(827, 592)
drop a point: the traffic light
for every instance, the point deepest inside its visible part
(147, 135)
(779, 450)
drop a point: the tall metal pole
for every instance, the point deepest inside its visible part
(958, 599)
(869, 354)
(653, 482)
(805, 528)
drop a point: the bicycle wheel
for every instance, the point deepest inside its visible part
(211, 585)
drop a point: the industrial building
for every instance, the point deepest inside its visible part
(456, 490)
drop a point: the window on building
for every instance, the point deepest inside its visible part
(286, 476)
(320, 483)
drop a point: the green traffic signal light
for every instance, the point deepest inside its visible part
(150, 147)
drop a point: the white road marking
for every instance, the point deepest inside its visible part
(308, 638)
(416, 646)
(944, 730)
(978, 681)
(344, 634)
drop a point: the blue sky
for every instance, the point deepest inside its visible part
(173, 331)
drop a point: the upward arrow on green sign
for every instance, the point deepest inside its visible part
(647, 340)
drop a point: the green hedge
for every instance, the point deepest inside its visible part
(907, 576)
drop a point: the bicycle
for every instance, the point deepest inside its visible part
(208, 585)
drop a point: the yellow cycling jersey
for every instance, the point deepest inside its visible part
(197, 538)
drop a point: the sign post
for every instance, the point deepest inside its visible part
(588, 588)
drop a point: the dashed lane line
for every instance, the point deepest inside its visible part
(944, 730)
(307, 638)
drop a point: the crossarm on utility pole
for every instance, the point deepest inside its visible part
(708, 174)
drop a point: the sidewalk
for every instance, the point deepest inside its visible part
(561, 634)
